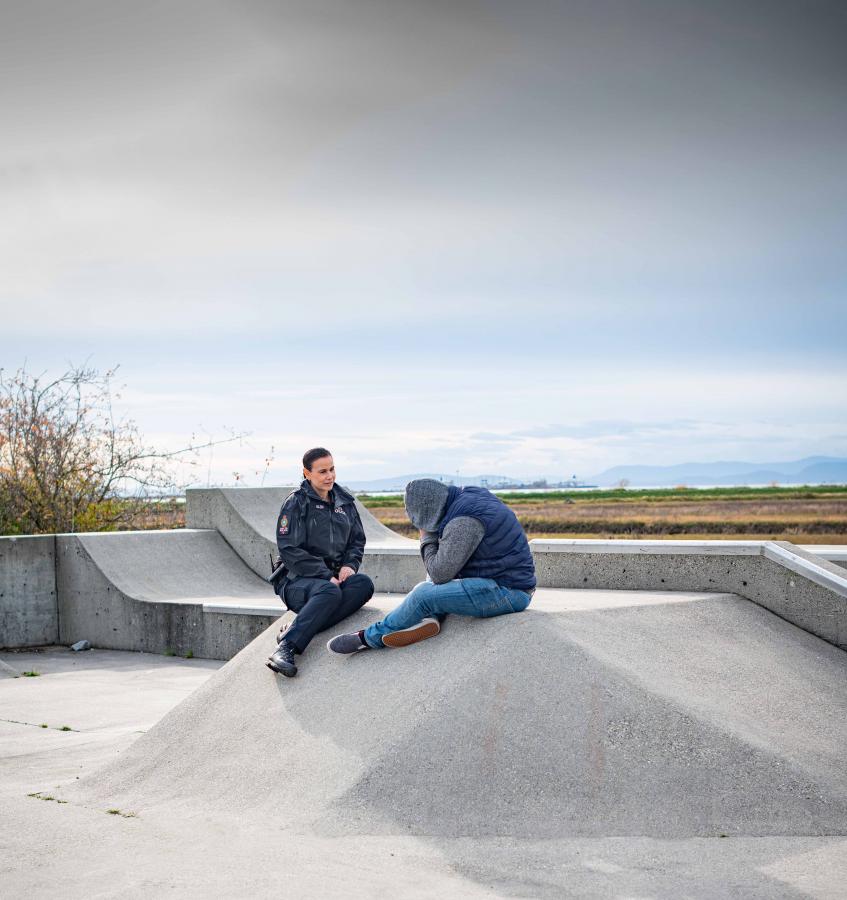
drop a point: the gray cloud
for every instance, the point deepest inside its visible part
(587, 430)
(552, 197)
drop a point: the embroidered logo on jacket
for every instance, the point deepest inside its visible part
(283, 525)
(339, 509)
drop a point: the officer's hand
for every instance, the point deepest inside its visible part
(334, 580)
(345, 573)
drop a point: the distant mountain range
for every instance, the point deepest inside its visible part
(399, 482)
(811, 470)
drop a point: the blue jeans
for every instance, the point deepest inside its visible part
(480, 597)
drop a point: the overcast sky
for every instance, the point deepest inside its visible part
(535, 238)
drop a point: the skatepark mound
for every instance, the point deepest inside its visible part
(594, 713)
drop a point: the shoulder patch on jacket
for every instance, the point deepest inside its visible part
(283, 525)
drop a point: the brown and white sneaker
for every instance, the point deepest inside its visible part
(426, 628)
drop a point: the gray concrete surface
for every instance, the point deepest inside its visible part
(7, 671)
(28, 609)
(805, 589)
(159, 591)
(834, 553)
(106, 697)
(602, 744)
(246, 517)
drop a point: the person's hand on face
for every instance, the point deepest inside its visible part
(345, 573)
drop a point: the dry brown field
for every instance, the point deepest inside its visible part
(802, 516)
(820, 519)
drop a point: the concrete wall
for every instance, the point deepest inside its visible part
(802, 588)
(188, 591)
(28, 609)
(723, 566)
(394, 571)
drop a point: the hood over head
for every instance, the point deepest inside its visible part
(426, 502)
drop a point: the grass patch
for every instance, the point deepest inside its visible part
(117, 812)
(681, 494)
(66, 728)
(171, 513)
(31, 674)
(385, 501)
(189, 655)
(671, 494)
(693, 536)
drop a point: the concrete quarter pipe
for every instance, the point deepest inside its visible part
(160, 590)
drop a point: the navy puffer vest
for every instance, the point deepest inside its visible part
(503, 553)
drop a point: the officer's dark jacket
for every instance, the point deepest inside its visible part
(317, 537)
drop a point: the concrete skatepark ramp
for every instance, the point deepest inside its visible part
(179, 566)
(246, 517)
(183, 590)
(670, 739)
(595, 714)
(200, 585)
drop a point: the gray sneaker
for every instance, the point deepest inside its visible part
(345, 644)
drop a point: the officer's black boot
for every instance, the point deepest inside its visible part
(282, 660)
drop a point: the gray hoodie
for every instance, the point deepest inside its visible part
(444, 558)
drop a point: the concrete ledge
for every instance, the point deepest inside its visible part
(816, 568)
(660, 548)
(232, 609)
(810, 592)
(834, 553)
(28, 607)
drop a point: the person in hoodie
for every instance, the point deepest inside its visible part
(477, 560)
(321, 542)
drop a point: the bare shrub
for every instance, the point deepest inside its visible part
(66, 462)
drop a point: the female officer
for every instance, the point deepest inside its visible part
(321, 542)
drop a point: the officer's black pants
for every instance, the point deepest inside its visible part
(321, 604)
